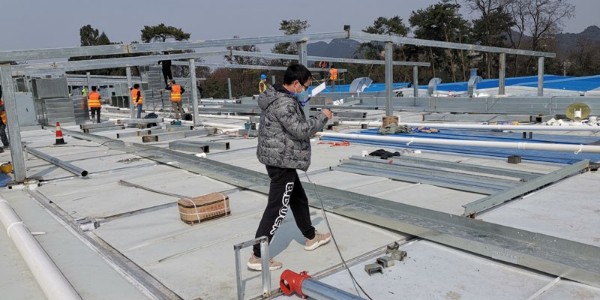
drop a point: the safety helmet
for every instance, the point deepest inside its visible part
(263, 76)
(6, 168)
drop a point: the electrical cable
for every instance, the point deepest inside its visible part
(354, 281)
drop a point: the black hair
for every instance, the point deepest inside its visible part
(136, 86)
(94, 88)
(296, 72)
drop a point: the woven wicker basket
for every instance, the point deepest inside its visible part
(199, 209)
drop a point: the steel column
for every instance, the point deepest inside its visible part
(415, 83)
(302, 54)
(89, 80)
(541, 76)
(130, 85)
(194, 88)
(229, 87)
(502, 74)
(389, 77)
(14, 131)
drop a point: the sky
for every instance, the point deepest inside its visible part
(30, 24)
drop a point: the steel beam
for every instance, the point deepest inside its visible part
(173, 135)
(331, 59)
(494, 200)
(448, 45)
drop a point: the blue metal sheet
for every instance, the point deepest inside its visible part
(533, 155)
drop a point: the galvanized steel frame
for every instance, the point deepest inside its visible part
(549, 254)
(28, 55)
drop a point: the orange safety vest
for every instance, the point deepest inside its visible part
(262, 86)
(94, 100)
(3, 113)
(134, 93)
(333, 74)
(176, 93)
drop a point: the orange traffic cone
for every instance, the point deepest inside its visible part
(59, 137)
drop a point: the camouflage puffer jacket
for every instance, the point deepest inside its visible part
(284, 132)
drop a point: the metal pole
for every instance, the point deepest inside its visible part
(272, 79)
(14, 132)
(302, 54)
(541, 76)
(389, 49)
(502, 75)
(229, 87)
(265, 261)
(467, 143)
(89, 81)
(304, 286)
(415, 82)
(130, 85)
(61, 163)
(194, 88)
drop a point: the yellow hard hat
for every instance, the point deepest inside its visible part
(6, 167)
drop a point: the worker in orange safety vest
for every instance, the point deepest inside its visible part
(176, 91)
(94, 103)
(138, 99)
(333, 76)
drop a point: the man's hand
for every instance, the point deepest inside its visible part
(327, 113)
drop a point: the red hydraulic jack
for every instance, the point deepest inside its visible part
(305, 287)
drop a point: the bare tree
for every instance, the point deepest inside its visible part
(491, 29)
(538, 19)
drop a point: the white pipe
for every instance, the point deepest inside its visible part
(517, 145)
(225, 117)
(506, 127)
(359, 123)
(51, 280)
(480, 126)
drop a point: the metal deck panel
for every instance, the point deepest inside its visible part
(421, 195)
(432, 197)
(347, 181)
(163, 245)
(565, 289)
(178, 271)
(568, 209)
(432, 271)
(103, 196)
(89, 274)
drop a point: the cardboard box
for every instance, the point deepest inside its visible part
(203, 208)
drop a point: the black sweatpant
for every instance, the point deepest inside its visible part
(285, 192)
(95, 110)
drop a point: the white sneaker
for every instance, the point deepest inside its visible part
(317, 241)
(254, 263)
